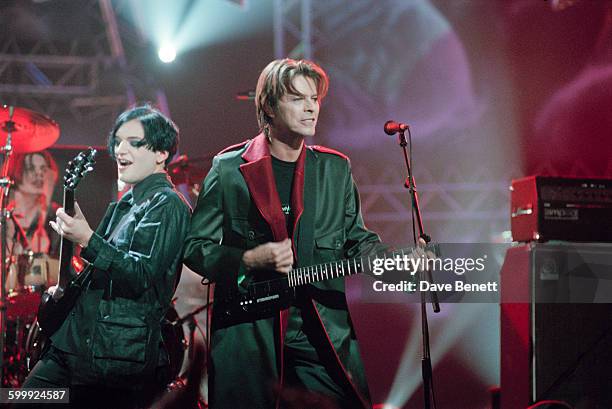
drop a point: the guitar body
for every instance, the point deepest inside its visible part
(259, 300)
(52, 312)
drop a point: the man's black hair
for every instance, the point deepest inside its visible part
(160, 133)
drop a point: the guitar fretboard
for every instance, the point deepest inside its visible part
(339, 268)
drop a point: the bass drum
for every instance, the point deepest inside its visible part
(172, 334)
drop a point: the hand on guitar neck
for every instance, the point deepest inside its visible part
(276, 256)
(75, 229)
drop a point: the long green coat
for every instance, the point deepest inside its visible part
(238, 209)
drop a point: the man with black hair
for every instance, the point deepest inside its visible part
(109, 351)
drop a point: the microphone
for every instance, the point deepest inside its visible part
(246, 95)
(392, 127)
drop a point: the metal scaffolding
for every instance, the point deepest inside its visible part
(470, 207)
(86, 76)
(293, 34)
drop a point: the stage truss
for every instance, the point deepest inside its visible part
(86, 74)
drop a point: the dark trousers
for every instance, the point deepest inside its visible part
(311, 367)
(55, 370)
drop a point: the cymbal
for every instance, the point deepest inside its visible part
(182, 170)
(32, 132)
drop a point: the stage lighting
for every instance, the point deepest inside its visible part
(167, 53)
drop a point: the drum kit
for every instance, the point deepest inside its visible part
(25, 276)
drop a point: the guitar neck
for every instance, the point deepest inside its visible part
(339, 268)
(66, 246)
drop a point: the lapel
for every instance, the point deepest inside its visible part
(259, 178)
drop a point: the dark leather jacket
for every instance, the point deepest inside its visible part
(136, 255)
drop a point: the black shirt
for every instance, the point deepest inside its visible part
(283, 175)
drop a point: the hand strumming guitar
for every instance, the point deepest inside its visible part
(272, 256)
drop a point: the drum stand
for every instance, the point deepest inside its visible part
(180, 381)
(5, 186)
(192, 324)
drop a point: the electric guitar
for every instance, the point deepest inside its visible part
(262, 298)
(54, 309)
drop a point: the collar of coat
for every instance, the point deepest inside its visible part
(259, 177)
(147, 187)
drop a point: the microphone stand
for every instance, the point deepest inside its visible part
(181, 380)
(192, 324)
(426, 368)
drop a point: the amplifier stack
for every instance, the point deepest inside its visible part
(554, 344)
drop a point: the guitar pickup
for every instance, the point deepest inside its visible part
(268, 298)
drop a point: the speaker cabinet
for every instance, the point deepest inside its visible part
(556, 325)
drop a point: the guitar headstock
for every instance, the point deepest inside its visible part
(78, 167)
